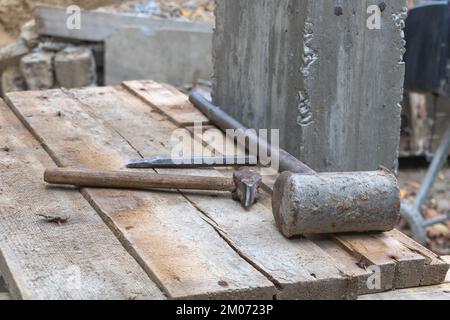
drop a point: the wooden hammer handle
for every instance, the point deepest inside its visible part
(136, 180)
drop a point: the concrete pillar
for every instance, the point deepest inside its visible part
(316, 71)
(75, 67)
(37, 69)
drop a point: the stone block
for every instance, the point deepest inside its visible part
(75, 67)
(37, 69)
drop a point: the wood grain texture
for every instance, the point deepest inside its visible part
(4, 296)
(168, 100)
(300, 269)
(348, 261)
(400, 267)
(435, 269)
(80, 259)
(169, 238)
(439, 292)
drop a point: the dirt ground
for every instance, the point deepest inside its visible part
(439, 203)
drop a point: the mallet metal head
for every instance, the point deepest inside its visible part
(247, 183)
(336, 202)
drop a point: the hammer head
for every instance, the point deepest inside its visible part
(247, 183)
(336, 202)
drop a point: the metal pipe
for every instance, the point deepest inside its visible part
(224, 121)
(438, 162)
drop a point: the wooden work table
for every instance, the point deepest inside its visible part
(65, 243)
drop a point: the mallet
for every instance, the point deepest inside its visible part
(305, 202)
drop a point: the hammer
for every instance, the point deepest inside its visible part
(306, 202)
(244, 185)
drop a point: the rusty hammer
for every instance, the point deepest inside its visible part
(244, 185)
(305, 202)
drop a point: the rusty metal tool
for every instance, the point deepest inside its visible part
(244, 185)
(224, 121)
(306, 202)
(192, 162)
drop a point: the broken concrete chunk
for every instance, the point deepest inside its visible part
(12, 80)
(29, 34)
(37, 68)
(75, 67)
(11, 54)
(52, 45)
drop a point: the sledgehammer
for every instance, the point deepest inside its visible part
(306, 202)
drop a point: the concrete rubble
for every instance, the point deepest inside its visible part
(75, 67)
(37, 68)
(49, 61)
(29, 35)
(187, 10)
(35, 62)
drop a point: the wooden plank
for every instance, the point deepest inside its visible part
(2, 284)
(439, 292)
(400, 267)
(301, 269)
(350, 263)
(80, 259)
(162, 230)
(97, 25)
(167, 100)
(435, 268)
(4, 296)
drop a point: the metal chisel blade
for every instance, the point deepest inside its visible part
(192, 162)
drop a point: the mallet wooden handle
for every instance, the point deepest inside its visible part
(136, 180)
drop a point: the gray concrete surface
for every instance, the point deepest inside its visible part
(37, 69)
(176, 57)
(313, 69)
(75, 67)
